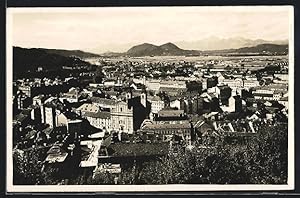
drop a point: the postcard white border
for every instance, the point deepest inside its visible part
(145, 188)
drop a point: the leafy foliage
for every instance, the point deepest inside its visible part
(263, 160)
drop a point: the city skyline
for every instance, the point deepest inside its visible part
(118, 29)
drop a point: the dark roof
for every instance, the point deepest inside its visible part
(104, 101)
(170, 113)
(87, 128)
(158, 125)
(154, 98)
(171, 89)
(98, 114)
(70, 115)
(55, 103)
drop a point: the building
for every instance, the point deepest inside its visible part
(177, 103)
(70, 120)
(193, 105)
(250, 84)
(56, 154)
(223, 92)
(71, 96)
(103, 102)
(170, 114)
(22, 100)
(36, 114)
(26, 89)
(172, 91)
(157, 104)
(49, 110)
(284, 101)
(87, 107)
(50, 115)
(234, 104)
(283, 77)
(209, 82)
(234, 83)
(39, 99)
(268, 94)
(160, 85)
(99, 119)
(122, 117)
(166, 129)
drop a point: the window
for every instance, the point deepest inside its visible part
(121, 109)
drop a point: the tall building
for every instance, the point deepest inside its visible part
(122, 117)
(156, 104)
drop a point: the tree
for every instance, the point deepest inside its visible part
(27, 167)
(269, 158)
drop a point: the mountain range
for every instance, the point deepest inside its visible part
(216, 43)
(67, 53)
(170, 49)
(203, 44)
(167, 49)
(53, 59)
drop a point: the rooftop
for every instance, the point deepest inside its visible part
(170, 113)
(98, 114)
(104, 101)
(88, 108)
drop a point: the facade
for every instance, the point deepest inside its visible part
(100, 119)
(170, 114)
(49, 116)
(266, 94)
(103, 102)
(156, 85)
(177, 103)
(70, 121)
(71, 96)
(122, 118)
(156, 104)
(166, 129)
(209, 82)
(27, 90)
(234, 104)
(22, 101)
(223, 92)
(234, 83)
(250, 84)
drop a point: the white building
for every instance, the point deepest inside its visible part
(250, 83)
(156, 104)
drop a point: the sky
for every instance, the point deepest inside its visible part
(117, 29)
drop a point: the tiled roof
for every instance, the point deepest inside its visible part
(98, 114)
(88, 107)
(170, 113)
(104, 101)
(167, 126)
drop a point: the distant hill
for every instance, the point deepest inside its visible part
(30, 59)
(216, 43)
(264, 48)
(170, 49)
(258, 49)
(167, 49)
(67, 53)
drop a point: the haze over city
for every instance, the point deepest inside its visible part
(117, 29)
